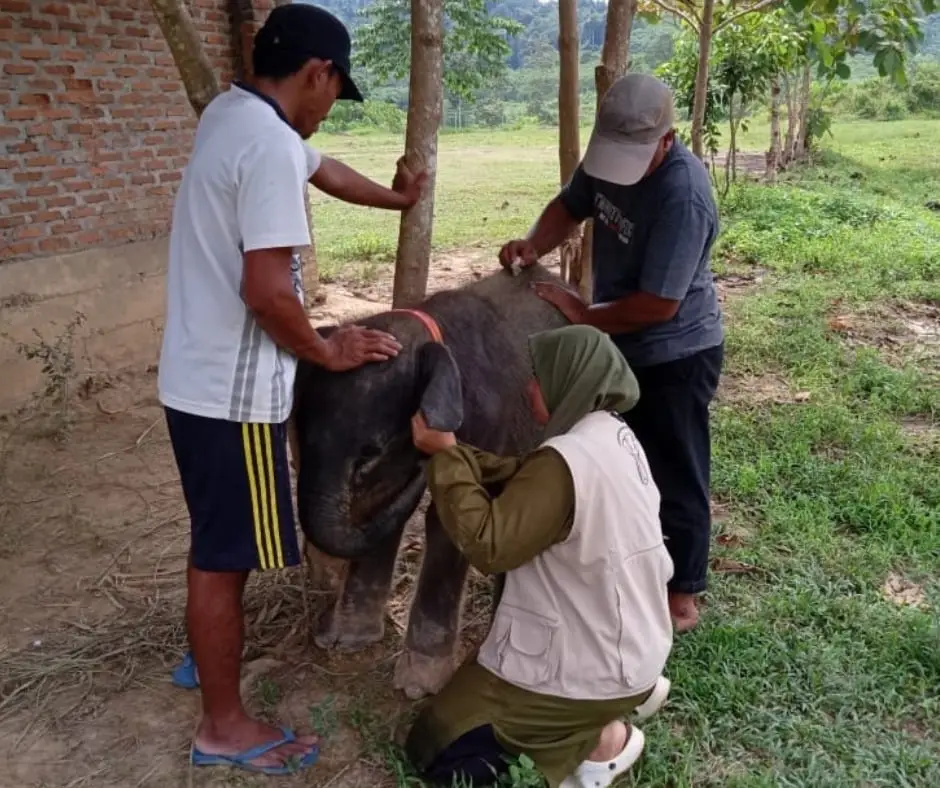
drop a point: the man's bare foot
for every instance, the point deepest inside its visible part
(613, 739)
(684, 611)
(236, 736)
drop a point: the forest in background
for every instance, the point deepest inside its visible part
(524, 93)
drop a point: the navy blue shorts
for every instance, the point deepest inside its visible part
(236, 483)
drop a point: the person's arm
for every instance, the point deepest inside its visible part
(552, 227)
(676, 243)
(633, 312)
(272, 221)
(493, 468)
(573, 205)
(674, 249)
(344, 183)
(560, 219)
(534, 510)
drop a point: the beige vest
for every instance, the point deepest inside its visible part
(588, 618)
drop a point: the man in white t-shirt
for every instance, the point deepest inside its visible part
(235, 328)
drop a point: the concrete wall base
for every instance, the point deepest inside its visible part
(121, 292)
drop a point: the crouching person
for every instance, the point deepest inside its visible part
(582, 629)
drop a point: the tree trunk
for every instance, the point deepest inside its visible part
(731, 162)
(569, 121)
(569, 98)
(802, 142)
(614, 58)
(701, 79)
(425, 104)
(790, 142)
(773, 154)
(185, 46)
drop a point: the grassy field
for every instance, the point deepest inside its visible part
(818, 662)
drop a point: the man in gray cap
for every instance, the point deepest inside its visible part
(655, 221)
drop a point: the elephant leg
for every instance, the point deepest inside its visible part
(357, 619)
(427, 662)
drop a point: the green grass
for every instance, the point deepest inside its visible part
(803, 673)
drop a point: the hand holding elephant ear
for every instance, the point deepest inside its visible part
(429, 441)
(440, 413)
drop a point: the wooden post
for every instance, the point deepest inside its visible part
(425, 105)
(613, 65)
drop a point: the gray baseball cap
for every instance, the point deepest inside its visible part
(635, 113)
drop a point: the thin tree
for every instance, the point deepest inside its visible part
(425, 106)
(700, 16)
(186, 47)
(569, 121)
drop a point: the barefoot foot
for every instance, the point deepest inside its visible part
(684, 611)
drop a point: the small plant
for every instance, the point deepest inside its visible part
(324, 718)
(269, 694)
(57, 359)
(522, 774)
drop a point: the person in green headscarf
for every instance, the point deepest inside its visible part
(582, 630)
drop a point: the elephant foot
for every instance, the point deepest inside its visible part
(418, 675)
(348, 632)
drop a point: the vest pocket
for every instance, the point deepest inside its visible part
(630, 649)
(527, 645)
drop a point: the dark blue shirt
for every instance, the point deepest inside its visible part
(655, 236)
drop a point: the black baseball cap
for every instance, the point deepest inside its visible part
(308, 30)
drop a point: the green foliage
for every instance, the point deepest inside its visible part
(888, 30)
(746, 54)
(880, 99)
(679, 73)
(379, 115)
(475, 43)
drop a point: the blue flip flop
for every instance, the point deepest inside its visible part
(243, 760)
(185, 674)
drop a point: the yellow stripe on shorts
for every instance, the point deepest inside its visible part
(253, 493)
(272, 492)
(263, 496)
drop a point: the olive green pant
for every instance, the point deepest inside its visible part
(556, 733)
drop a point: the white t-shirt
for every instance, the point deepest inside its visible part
(243, 189)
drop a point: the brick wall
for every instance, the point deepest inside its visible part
(95, 127)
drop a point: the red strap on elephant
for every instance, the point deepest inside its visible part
(429, 323)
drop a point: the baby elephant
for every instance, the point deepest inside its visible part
(465, 365)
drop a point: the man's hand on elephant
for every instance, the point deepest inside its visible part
(427, 440)
(353, 346)
(407, 184)
(566, 302)
(521, 251)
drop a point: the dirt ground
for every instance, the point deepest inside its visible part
(93, 537)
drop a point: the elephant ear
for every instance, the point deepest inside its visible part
(441, 392)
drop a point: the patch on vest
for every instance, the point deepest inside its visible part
(628, 441)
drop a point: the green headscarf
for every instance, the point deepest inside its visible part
(580, 370)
